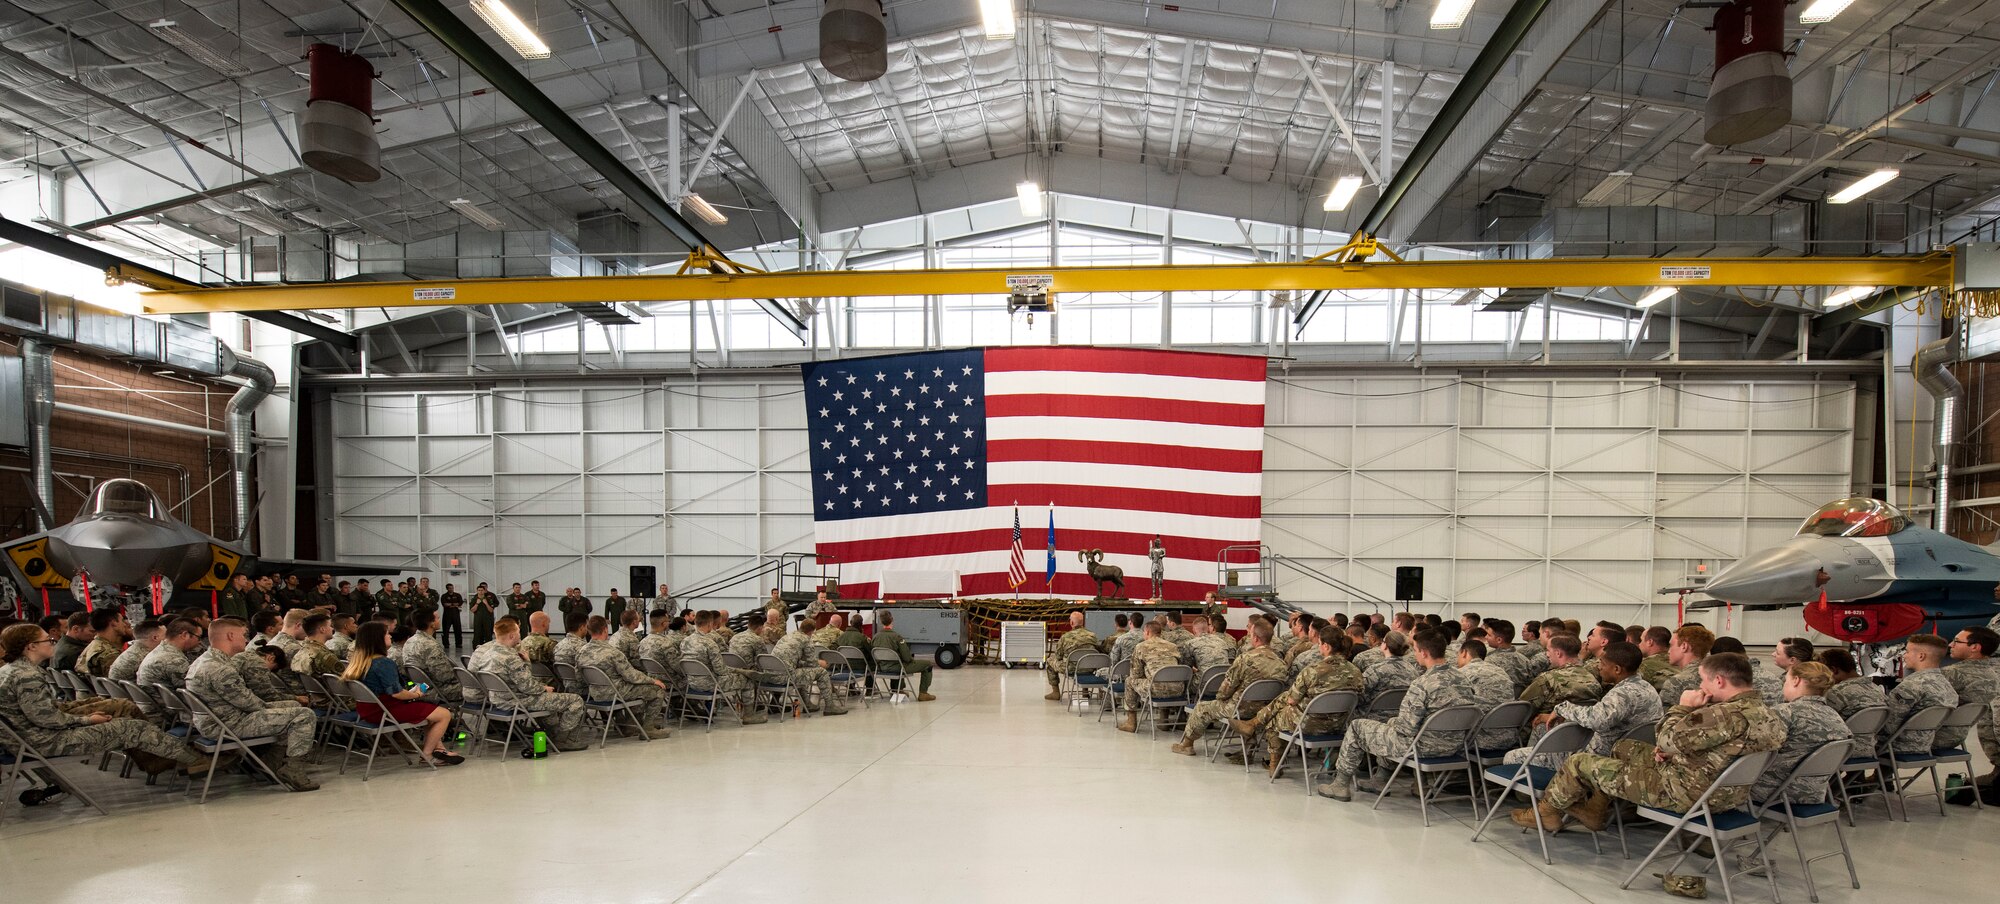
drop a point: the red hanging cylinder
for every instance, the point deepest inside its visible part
(1751, 94)
(337, 129)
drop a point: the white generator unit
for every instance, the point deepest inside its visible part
(1023, 643)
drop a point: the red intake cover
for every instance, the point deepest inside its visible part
(341, 77)
(1865, 624)
(1746, 27)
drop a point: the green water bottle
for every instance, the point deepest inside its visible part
(541, 744)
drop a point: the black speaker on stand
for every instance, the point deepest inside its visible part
(645, 580)
(1409, 583)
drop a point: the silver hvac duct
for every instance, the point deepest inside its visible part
(38, 384)
(1934, 375)
(258, 382)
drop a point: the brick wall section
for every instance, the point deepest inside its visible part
(94, 382)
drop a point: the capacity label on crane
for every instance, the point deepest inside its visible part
(1683, 274)
(1022, 285)
(445, 294)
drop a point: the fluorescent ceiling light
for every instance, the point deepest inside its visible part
(501, 18)
(1822, 11)
(1864, 185)
(472, 212)
(1848, 296)
(1342, 194)
(1450, 13)
(169, 31)
(1612, 182)
(1658, 295)
(1030, 193)
(704, 210)
(260, 221)
(997, 18)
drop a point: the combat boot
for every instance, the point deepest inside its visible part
(1340, 788)
(1594, 813)
(754, 716)
(1128, 722)
(1244, 727)
(1552, 818)
(293, 775)
(1052, 695)
(831, 710)
(149, 763)
(924, 697)
(202, 767)
(574, 743)
(1184, 747)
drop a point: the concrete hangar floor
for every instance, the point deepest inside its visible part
(988, 794)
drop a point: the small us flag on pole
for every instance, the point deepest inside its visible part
(1017, 565)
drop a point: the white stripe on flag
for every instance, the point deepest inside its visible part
(1229, 530)
(1113, 430)
(1113, 385)
(1135, 477)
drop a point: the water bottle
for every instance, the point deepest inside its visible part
(537, 748)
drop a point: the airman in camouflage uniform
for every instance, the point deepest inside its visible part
(217, 679)
(828, 638)
(1258, 664)
(1923, 686)
(732, 684)
(751, 643)
(1077, 638)
(1394, 672)
(59, 730)
(126, 666)
(567, 648)
(315, 659)
(819, 606)
(1369, 658)
(1123, 644)
(166, 665)
(1769, 679)
(502, 657)
(798, 651)
(1439, 687)
(1975, 676)
(258, 678)
(1153, 653)
(1854, 695)
(1177, 634)
(664, 647)
(1488, 686)
(1629, 703)
(1809, 724)
(1211, 650)
(1514, 664)
(1656, 669)
(98, 655)
(1696, 743)
(1568, 680)
(650, 694)
(423, 651)
(536, 645)
(1287, 713)
(626, 639)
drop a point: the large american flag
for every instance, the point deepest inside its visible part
(919, 459)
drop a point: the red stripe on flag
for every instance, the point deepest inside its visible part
(1146, 454)
(1202, 365)
(978, 541)
(1063, 496)
(1125, 408)
(994, 583)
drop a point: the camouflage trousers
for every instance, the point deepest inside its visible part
(1988, 743)
(117, 709)
(815, 677)
(294, 724)
(450, 696)
(1627, 774)
(1138, 689)
(566, 709)
(1284, 717)
(1369, 738)
(117, 734)
(1209, 714)
(650, 702)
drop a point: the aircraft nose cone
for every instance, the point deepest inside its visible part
(1783, 574)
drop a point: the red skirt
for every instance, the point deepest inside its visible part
(407, 712)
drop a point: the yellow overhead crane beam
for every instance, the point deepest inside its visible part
(1932, 270)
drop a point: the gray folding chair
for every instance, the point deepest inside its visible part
(1253, 698)
(1644, 732)
(1966, 719)
(1085, 680)
(1210, 681)
(602, 696)
(545, 674)
(889, 670)
(1866, 723)
(506, 707)
(1816, 770)
(1892, 762)
(567, 677)
(1331, 703)
(1511, 716)
(712, 701)
(221, 739)
(774, 686)
(843, 679)
(1155, 702)
(734, 661)
(1386, 704)
(375, 731)
(1723, 828)
(1453, 723)
(1114, 690)
(18, 757)
(1531, 780)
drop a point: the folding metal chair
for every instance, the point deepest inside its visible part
(544, 674)
(468, 708)
(1965, 718)
(1210, 682)
(1452, 720)
(601, 696)
(358, 726)
(221, 739)
(1114, 690)
(1331, 703)
(774, 681)
(1154, 702)
(1531, 780)
(734, 661)
(1866, 723)
(1722, 828)
(1892, 762)
(1818, 768)
(17, 757)
(889, 670)
(567, 678)
(505, 706)
(1513, 716)
(1084, 677)
(1386, 704)
(842, 679)
(1253, 698)
(712, 700)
